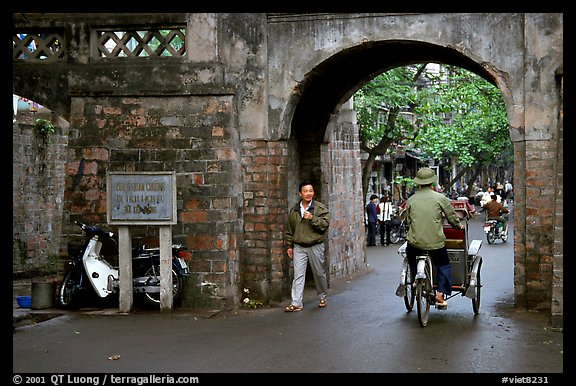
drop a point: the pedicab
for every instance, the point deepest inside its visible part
(465, 263)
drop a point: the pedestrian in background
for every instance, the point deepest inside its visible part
(372, 214)
(308, 222)
(508, 189)
(384, 217)
(487, 196)
(499, 190)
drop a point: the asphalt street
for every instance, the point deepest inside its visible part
(365, 329)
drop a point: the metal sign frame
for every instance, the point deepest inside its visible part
(141, 198)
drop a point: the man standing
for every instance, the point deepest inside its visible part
(384, 217)
(424, 211)
(372, 220)
(508, 191)
(305, 235)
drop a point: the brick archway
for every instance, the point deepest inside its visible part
(226, 113)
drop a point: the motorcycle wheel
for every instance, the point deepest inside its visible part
(68, 290)
(490, 237)
(177, 284)
(395, 235)
(504, 236)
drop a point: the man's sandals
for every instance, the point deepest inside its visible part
(441, 305)
(293, 308)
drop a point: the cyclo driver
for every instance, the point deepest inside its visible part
(425, 210)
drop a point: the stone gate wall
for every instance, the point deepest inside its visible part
(346, 244)
(194, 136)
(230, 99)
(37, 197)
(265, 268)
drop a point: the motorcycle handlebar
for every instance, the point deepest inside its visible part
(93, 229)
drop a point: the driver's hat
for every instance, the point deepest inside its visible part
(425, 176)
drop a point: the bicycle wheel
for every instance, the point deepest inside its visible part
(410, 294)
(476, 300)
(153, 299)
(423, 293)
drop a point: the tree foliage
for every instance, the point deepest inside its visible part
(381, 107)
(451, 114)
(462, 116)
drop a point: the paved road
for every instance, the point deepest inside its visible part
(364, 329)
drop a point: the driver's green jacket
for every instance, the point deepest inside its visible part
(424, 213)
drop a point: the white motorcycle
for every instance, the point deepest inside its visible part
(92, 275)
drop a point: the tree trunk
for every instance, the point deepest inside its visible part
(477, 171)
(366, 175)
(457, 177)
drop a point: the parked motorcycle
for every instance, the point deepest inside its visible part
(495, 231)
(91, 274)
(398, 230)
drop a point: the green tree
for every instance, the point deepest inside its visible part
(383, 108)
(453, 114)
(463, 116)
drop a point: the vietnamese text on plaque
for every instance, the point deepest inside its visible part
(140, 197)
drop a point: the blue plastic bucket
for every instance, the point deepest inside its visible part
(24, 301)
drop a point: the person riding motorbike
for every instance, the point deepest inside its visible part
(495, 210)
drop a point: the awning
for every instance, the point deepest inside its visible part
(415, 154)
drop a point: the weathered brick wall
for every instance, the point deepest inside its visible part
(192, 135)
(37, 197)
(534, 248)
(264, 267)
(557, 308)
(519, 222)
(341, 159)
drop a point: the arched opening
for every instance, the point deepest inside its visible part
(324, 138)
